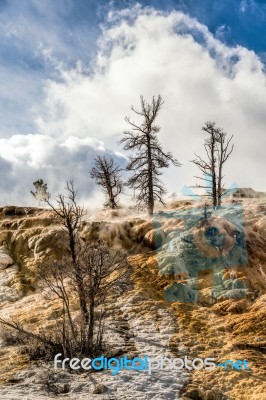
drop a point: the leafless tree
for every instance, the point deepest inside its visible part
(89, 264)
(87, 273)
(101, 269)
(217, 149)
(103, 272)
(208, 167)
(149, 158)
(69, 214)
(41, 191)
(107, 175)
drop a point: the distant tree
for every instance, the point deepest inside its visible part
(41, 191)
(218, 150)
(149, 158)
(107, 175)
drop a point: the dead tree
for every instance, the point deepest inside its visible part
(149, 158)
(107, 175)
(90, 265)
(208, 166)
(218, 149)
(41, 191)
(103, 271)
(69, 214)
(87, 272)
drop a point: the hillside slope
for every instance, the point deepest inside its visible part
(227, 319)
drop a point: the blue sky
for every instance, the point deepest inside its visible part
(50, 50)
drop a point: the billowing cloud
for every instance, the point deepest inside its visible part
(26, 158)
(143, 51)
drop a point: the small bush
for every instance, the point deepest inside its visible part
(37, 350)
(10, 337)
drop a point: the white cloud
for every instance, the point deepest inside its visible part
(142, 51)
(25, 158)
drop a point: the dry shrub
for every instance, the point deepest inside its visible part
(10, 337)
(37, 350)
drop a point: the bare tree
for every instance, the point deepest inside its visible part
(103, 272)
(217, 149)
(88, 273)
(208, 167)
(69, 213)
(107, 175)
(149, 158)
(41, 191)
(96, 263)
(88, 264)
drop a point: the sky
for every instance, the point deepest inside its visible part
(71, 69)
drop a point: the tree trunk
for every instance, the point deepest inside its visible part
(112, 199)
(214, 183)
(220, 185)
(150, 178)
(91, 325)
(214, 191)
(78, 278)
(220, 171)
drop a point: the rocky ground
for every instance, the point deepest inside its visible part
(220, 311)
